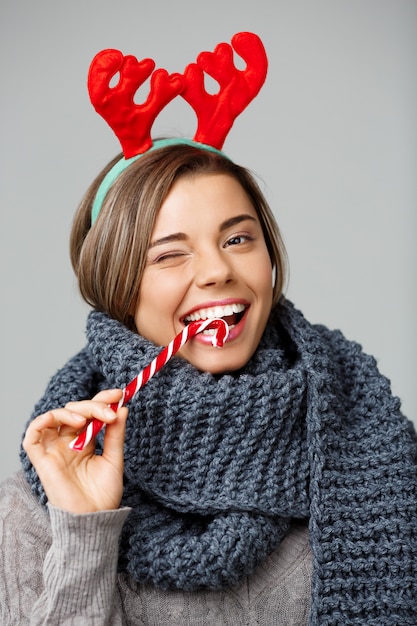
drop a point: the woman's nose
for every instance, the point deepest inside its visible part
(213, 268)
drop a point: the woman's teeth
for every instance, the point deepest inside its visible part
(229, 312)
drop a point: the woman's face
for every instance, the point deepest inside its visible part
(207, 258)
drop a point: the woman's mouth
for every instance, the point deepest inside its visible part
(230, 313)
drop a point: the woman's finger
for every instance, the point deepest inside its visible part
(98, 407)
(109, 395)
(114, 437)
(90, 408)
(51, 420)
(44, 432)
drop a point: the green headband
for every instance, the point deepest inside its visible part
(121, 165)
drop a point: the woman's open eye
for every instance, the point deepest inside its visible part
(238, 239)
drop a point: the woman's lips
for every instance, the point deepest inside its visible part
(236, 323)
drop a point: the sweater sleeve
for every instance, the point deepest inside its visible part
(59, 568)
(80, 570)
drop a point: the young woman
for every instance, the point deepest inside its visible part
(272, 481)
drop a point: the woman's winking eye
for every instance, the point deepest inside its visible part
(167, 256)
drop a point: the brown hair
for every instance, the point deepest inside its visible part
(110, 257)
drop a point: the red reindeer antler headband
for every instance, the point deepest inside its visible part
(216, 113)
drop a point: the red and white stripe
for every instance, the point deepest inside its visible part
(219, 338)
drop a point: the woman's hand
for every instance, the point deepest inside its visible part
(79, 482)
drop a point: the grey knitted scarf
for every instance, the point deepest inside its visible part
(217, 466)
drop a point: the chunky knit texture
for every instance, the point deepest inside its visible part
(216, 466)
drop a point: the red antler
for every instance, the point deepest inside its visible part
(130, 122)
(217, 112)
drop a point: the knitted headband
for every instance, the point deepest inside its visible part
(216, 113)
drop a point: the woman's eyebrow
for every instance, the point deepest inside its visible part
(168, 239)
(232, 221)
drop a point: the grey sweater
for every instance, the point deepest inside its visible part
(61, 569)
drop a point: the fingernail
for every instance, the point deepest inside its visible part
(109, 414)
(78, 418)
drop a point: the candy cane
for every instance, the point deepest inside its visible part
(219, 337)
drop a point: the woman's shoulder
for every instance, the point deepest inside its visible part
(14, 487)
(24, 540)
(19, 508)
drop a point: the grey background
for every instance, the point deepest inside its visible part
(332, 136)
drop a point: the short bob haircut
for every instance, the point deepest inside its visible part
(109, 257)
